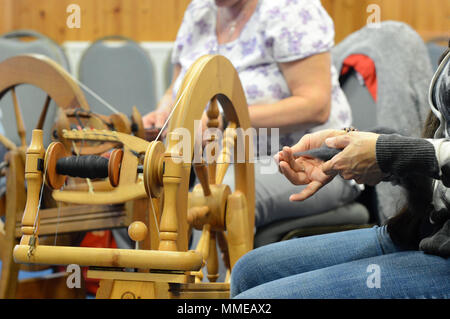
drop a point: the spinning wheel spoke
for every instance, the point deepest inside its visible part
(7, 142)
(212, 260)
(213, 123)
(201, 170)
(228, 142)
(137, 124)
(19, 119)
(203, 249)
(43, 115)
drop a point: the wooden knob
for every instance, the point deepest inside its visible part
(137, 231)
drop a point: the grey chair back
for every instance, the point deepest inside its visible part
(364, 108)
(403, 74)
(31, 99)
(121, 72)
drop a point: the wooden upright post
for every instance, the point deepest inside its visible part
(33, 175)
(171, 181)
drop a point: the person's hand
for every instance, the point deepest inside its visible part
(156, 119)
(357, 160)
(305, 170)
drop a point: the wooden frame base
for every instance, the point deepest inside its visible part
(130, 285)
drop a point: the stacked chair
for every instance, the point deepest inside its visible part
(120, 71)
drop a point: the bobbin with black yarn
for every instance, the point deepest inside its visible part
(89, 166)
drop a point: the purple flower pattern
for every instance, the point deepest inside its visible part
(248, 47)
(305, 15)
(253, 91)
(324, 28)
(203, 27)
(294, 39)
(277, 91)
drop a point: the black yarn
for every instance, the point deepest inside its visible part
(89, 166)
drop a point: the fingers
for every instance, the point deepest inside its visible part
(302, 145)
(329, 167)
(338, 142)
(149, 120)
(288, 156)
(296, 178)
(161, 118)
(307, 192)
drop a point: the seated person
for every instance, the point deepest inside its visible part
(281, 51)
(407, 258)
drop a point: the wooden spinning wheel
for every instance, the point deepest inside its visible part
(169, 269)
(41, 72)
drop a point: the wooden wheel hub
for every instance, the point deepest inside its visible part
(208, 209)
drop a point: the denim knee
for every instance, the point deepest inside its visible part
(244, 273)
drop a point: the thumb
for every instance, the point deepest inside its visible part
(338, 142)
(328, 167)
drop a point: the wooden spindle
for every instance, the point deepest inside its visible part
(213, 114)
(212, 264)
(213, 122)
(171, 181)
(228, 143)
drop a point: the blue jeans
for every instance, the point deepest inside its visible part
(353, 264)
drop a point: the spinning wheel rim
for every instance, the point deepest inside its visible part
(205, 82)
(44, 73)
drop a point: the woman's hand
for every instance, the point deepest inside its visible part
(357, 160)
(304, 170)
(156, 119)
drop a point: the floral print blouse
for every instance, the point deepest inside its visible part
(278, 31)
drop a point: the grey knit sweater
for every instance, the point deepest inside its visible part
(405, 157)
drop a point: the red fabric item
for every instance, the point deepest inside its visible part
(365, 66)
(98, 239)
